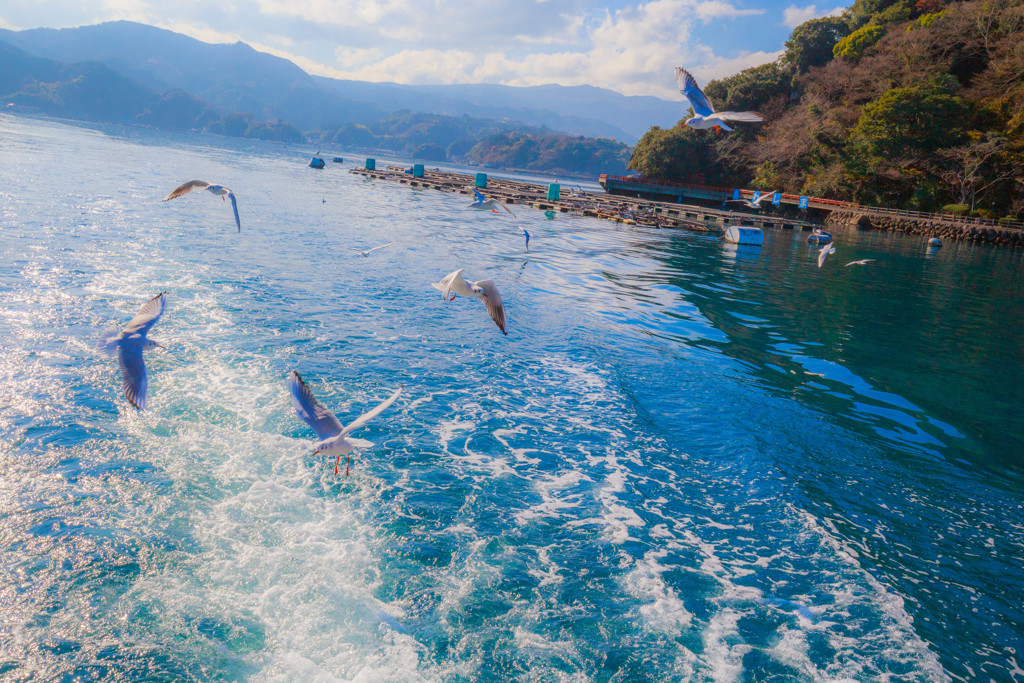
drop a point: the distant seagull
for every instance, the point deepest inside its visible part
(218, 190)
(482, 203)
(129, 343)
(485, 290)
(824, 252)
(527, 238)
(334, 440)
(862, 262)
(367, 252)
(751, 203)
(705, 114)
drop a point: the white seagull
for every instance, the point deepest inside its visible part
(705, 115)
(367, 252)
(751, 203)
(482, 203)
(128, 344)
(824, 252)
(862, 262)
(334, 439)
(485, 290)
(218, 190)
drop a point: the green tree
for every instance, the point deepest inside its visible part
(811, 42)
(853, 45)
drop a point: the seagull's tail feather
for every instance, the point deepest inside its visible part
(108, 341)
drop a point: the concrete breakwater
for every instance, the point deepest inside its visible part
(947, 230)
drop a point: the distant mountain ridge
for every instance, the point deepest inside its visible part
(235, 77)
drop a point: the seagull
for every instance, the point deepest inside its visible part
(218, 190)
(482, 203)
(705, 114)
(128, 344)
(751, 203)
(334, 440)
(862, 262)
(824, 252)
(485, 290)
(527, 238)
(367, 252)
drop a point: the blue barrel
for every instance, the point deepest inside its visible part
(371, 164)
(417, 170)
(554, 191)
(481, 180)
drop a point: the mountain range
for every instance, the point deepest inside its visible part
(236, 78)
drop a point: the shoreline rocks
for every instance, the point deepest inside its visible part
(1007, 237)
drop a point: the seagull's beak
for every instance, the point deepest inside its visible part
(316, 452)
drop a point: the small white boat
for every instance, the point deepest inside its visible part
(819, 237)
(743, 234)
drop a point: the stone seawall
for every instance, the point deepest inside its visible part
(919, 226)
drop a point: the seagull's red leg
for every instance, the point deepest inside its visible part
(336, 463)
(348, 461)
(452, 299)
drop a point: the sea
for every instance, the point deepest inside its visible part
(687, 461)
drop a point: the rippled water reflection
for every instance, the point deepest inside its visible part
(687, 460)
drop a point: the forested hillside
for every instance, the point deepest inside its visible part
(897, 103)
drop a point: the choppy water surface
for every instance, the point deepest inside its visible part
(686, 461)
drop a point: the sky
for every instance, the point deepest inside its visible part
(628, 46)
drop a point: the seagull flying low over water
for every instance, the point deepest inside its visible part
(862, 262)
(218, 190)
(482, 203)
(367, 252)
(485, 290)
(705, 114)
(334, 439)
(752, 203)
(128, 344)
(824, 252)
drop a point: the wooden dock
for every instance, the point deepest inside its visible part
(625, 210)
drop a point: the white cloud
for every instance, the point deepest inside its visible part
(793, 16)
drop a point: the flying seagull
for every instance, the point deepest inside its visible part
(751, 203)
(367, 252)
(823, 254)
(862, 262)
(128, 344)
(334, 440)
(218, 190)
(705, 115)
(485, 290)
(482, 203)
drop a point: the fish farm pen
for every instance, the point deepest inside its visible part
(617, 208)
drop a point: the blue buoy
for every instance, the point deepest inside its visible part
(371, 164)
(316, 162)
(481, 180)
(554, 192)
(934, 242)
(417, 170)
(337, 160)
(819, 237)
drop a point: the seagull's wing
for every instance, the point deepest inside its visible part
(747, 116)
(185, 188)
(147, 315)
(502, 205)
(234, 207)
(479, 197)
(823, 254)
(768, 195)
(447, 282)
(380, 247)
(370, 414)
(311, 410)
(133, 374)
(527, 239)
(492, 301)
(688, 86)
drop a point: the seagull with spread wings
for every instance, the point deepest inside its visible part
(454, 284)
(824, 253)
(217, 190)
(705, 115)
(482, 203)
(128, 343)
(753, 203)
(861, 262)
(367, 252)
(334, 439)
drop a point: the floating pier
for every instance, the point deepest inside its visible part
(617, 208)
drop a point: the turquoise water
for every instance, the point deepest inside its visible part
(685, 462)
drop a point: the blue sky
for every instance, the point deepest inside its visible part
(628, 46)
